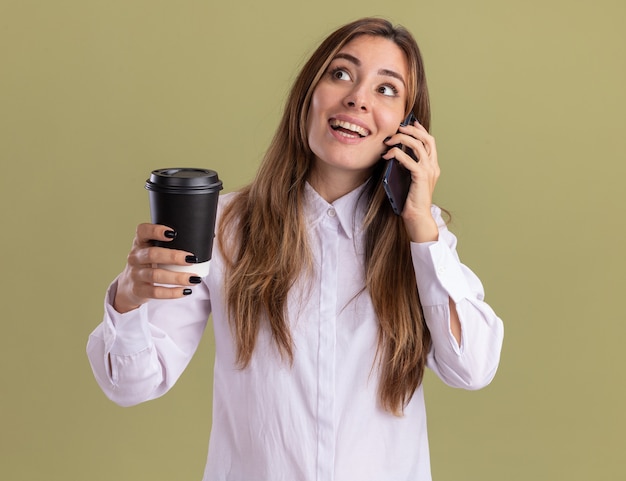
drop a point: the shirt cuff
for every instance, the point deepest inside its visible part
(439, 274)
(127, 333)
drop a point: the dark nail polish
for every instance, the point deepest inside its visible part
(387, 139)
(186, 292)
(195, 280)
(170, 234)
(191, 260)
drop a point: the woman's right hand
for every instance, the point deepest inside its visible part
(142, 280)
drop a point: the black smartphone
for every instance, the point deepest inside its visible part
(397, 178)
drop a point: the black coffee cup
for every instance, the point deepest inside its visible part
(185, 199)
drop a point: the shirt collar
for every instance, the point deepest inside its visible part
(349, 209)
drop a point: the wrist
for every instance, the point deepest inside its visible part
(122, 305)
(421, 228)
(122, 302)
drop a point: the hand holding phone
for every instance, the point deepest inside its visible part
(397, 178)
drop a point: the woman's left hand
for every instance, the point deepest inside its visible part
(417, 215)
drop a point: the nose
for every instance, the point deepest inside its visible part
(357, 98)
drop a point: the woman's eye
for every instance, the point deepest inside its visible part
(340, 74)
(389, 90)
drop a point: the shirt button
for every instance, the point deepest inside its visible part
(441, 270)
(331, 212)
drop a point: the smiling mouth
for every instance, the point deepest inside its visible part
(347, 129)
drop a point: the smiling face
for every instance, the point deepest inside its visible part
(359, 101)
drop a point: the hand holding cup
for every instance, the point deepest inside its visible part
(142, 279)
(175, 250)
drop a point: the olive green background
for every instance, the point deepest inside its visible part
(528, 112)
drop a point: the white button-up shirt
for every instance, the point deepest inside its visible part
(318, 419)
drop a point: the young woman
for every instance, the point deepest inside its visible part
(326, 306)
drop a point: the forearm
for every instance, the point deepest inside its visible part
(473, 363)
(466, 334)
(139, 355)
(126, 379)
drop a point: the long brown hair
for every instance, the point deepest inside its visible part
(264, 237)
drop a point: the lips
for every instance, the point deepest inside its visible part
(348, 129)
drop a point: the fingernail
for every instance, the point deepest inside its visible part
(195, 280)
(170, 234)
(187, 291)
(191, 260)
(387, 139)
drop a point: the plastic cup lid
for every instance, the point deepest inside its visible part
(189, 180)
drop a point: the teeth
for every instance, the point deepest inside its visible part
(348, 126)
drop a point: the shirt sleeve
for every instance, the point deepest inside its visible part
(442, 278)
(139, 355)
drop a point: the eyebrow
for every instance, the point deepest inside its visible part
(382, 71)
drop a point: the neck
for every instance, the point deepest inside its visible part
(332, 186)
